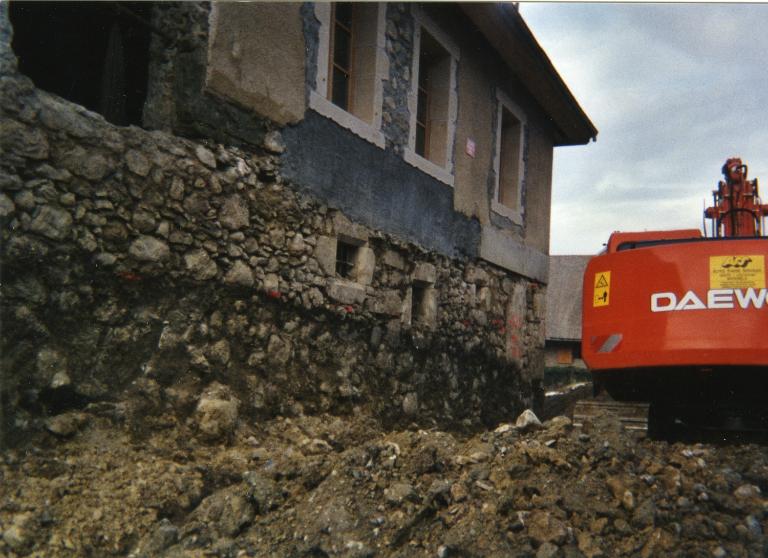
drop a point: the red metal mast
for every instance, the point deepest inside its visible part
(737, 210)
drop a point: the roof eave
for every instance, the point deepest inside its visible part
(504, 28)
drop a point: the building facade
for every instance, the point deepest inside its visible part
(324, 207)
(562, 351)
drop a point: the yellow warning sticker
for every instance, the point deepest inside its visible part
(602, 289)
(737, 272)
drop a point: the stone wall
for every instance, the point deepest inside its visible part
(141, 271)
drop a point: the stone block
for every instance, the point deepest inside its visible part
(52, 223)
(206, 156)
(200, 265)
(325, 254)
(425, 272)
(239, 274)
(411, 404)
(346, 292)
(394, 259)
(485, 298)
(476, 275)
(256, 58)
(234, 213)
(149, 249)
(365, 265)
(137, 163)
(388, 302)
(348, 231)
(271, 282)
(540, 304)
(297, 244)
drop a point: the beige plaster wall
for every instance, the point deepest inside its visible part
(471, 188)
(256, 58)
(475, 121)
(538, 195)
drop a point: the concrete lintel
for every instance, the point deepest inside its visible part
(425, 273)
(501, 250)
(348, 231)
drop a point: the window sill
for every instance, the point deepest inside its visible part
(360, 128)
(435, 171)
(513, 215)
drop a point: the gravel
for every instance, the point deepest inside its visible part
(342, 486)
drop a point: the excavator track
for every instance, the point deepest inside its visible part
(634, 416)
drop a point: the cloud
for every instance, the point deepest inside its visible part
(673, 89)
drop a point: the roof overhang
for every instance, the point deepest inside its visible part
(504, 28)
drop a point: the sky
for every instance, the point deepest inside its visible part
(674, 90)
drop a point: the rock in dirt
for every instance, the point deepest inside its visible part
(527, 421)
(66, 424)
(216, 413)
(260, 490)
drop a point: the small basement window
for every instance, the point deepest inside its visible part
(418, 295)
(423, 303)
(346, 258)
(95, 54)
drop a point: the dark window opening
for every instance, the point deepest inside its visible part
(346, 256)
(341, 55)
(95, 54)
(418, 298)
(422, 120)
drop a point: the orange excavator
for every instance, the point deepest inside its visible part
(679, 319)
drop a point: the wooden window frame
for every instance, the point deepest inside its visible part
(331, 62)
(421, 89)
(364, 116)
(443, 169)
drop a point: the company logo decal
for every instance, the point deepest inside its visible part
(715, 299)
(737, 272)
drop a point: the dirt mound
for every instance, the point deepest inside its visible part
(331, 486)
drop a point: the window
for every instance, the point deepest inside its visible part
(508, 160)
(340, 84)
(432, 100)
(433, 103)
(422, 118)
(417, 301)
(95, 54)
(564, 355)
(351, 67)
(346, 257)
(423, 304)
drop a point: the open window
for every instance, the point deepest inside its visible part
(351, 66)
(433, 103)
(508, 164)
(95, 54)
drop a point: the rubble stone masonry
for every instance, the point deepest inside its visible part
(138, 262)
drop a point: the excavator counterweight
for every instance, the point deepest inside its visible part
(679, 319)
